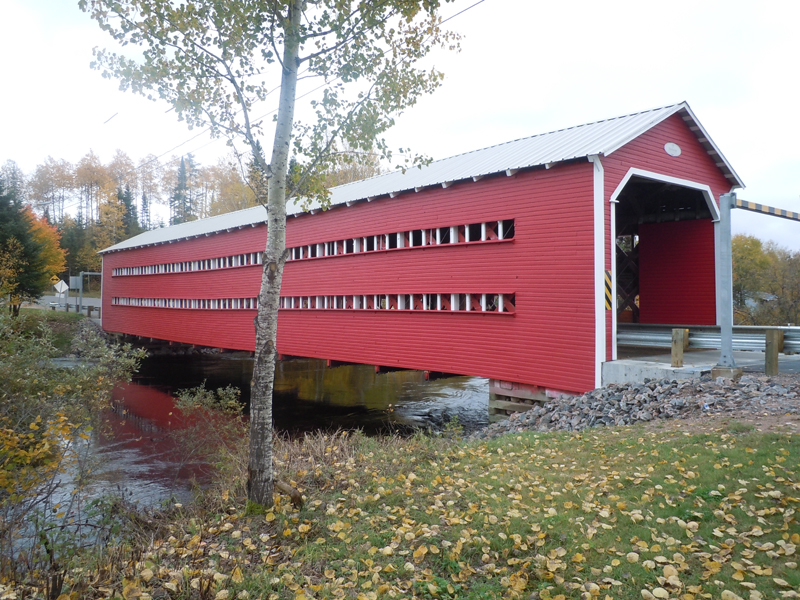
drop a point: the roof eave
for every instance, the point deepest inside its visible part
(712, 148)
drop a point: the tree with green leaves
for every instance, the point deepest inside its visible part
(750, 264)
(217, 61)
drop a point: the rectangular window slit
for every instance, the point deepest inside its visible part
(507, 227)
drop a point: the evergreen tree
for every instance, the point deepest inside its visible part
(23, 268)
(130, 219)
(193, 191)
(144, 213)
(74, 239)
(14, 181)
(179, 200)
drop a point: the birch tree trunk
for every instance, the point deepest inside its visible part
(260, 474)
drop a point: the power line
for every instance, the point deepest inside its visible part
(78, 201)
(326, 84)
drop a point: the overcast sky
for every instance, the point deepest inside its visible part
(526, 67)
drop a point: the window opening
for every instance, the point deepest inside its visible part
(490, 302)
(507, 229)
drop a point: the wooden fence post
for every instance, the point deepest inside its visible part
(774, 344)
(680, 342)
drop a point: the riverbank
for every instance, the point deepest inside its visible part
(47, 413)
(621, 512)
(768, 403)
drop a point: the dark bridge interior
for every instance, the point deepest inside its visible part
(648, 201)
(644, 202)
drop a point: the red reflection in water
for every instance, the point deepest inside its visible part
(140, 440)
(146, 403)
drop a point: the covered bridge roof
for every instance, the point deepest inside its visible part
(599, 138)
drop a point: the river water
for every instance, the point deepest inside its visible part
(139, 458)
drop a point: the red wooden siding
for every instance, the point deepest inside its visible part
(676, 266)
(549, 341)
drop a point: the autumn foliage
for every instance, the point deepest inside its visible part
(606, 514)
(46, 416)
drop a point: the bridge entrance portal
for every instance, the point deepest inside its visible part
(665, 256)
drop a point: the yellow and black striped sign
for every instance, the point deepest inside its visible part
(609, 297)
(767, 210)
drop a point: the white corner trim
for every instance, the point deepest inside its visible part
(717, 283)
(701, 187)
(613, 251)
(599, 269)
(102, 281)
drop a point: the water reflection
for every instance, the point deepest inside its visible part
(311, 396)
(137, 451)
(139, 455)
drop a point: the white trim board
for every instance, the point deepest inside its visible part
(700, 187)
(599, 269)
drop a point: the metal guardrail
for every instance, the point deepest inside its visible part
(704, 337)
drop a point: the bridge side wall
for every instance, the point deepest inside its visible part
(232, 329)
(547, 341)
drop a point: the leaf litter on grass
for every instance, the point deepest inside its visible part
(607, 514)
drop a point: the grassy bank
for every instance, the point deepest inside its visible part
(609, 513)
(63, 326)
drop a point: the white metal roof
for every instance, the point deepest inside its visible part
(599, 138)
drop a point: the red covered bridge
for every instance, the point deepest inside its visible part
(494, 263)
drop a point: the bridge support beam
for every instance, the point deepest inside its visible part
(727, 366)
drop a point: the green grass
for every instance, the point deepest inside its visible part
(737, 427)
(609, 513)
